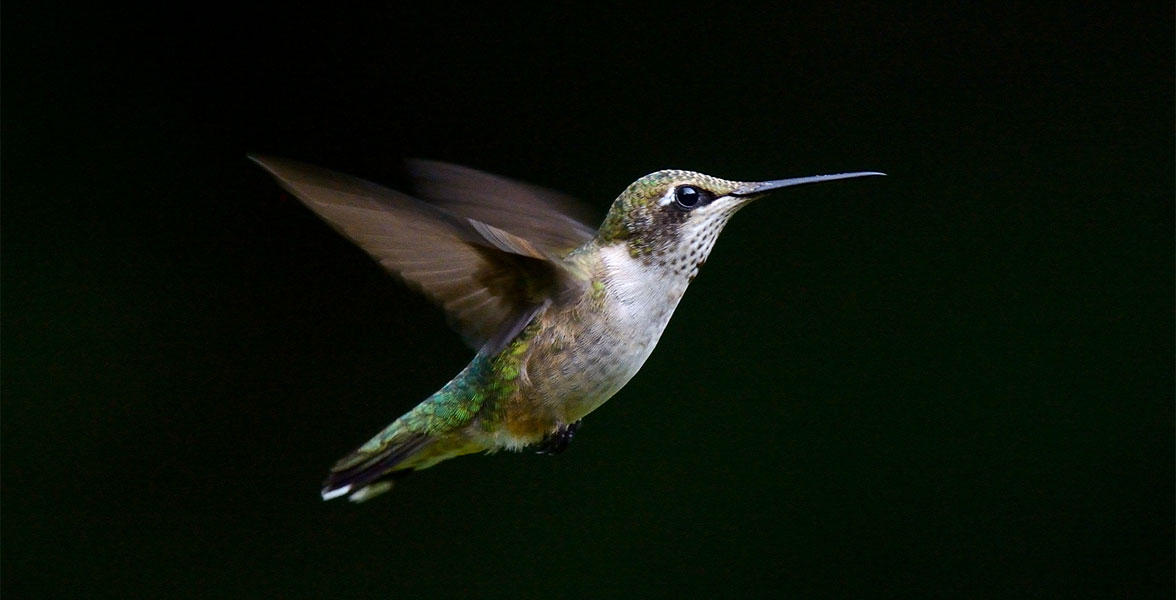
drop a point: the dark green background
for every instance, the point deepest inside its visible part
(955, 381)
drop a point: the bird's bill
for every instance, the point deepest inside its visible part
(752, 189)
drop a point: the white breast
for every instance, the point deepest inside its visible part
(644, 296)
(611, 351)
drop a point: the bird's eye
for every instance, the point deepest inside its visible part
(688, 197)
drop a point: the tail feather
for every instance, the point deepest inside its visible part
(363, 475)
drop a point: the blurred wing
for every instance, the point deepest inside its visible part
(555, 222)
(490, 282)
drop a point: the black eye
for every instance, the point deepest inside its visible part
(688, 197)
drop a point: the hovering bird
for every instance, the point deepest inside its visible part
(561, 314)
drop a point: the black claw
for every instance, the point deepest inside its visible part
(558, 440)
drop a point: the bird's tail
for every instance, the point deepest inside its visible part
(367, 473)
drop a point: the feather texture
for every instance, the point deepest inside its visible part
(490, 281)
(552, 220)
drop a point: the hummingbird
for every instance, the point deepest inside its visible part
(561, 315)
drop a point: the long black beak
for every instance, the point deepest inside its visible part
(761, 187)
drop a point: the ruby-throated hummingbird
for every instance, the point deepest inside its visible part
(561, 315)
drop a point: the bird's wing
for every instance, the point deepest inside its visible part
(555, 222)
(489, 281)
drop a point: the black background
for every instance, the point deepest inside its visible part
(954, 381)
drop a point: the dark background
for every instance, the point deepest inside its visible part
(954, 381)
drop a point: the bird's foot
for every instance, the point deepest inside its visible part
(558, 440)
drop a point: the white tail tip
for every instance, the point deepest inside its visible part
(335, 493)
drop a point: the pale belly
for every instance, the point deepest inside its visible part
(599, 368)
(585, 352)
(610, 346)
